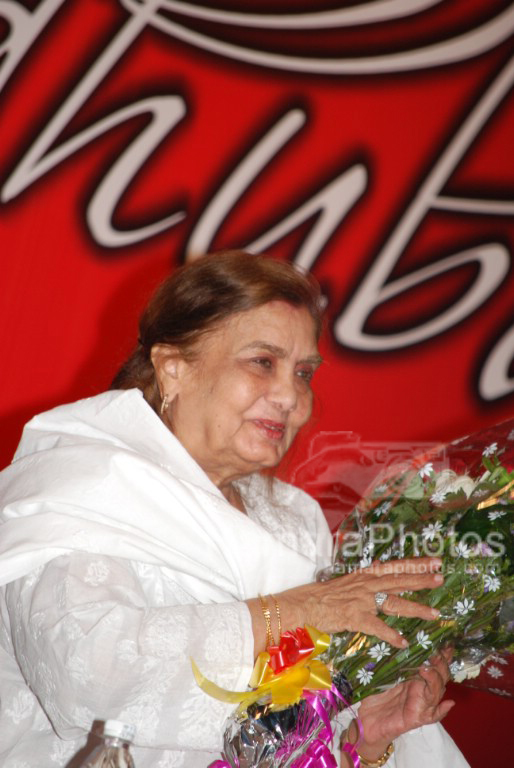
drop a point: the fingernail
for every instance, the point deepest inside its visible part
(435, 612)
(404, 643)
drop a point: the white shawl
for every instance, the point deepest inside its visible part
(106, 476)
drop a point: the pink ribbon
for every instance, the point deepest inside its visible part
(317, 755)
(351, 750)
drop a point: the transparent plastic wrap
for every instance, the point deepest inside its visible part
(455, 501)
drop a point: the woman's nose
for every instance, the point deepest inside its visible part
(283, 392)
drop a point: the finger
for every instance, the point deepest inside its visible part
(435, 683)
(402, 582)
(408, 565)
(375, 626)
(447, 653)
(439, 662)
(443, 709)
(398, 606)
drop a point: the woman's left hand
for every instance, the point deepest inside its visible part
(408, 705)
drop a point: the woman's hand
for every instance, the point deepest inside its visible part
(408, 705)
(348, 602)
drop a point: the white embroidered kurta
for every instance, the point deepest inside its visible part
(120, 561)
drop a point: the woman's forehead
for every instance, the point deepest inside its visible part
(275, 323)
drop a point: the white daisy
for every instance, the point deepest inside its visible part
(423, 639)
(379, 651)
(495, 515)
(364, 676)
(380, 489)
(431, 531)
(494, 671)
(383, 508)
(498, 659)
(492, 448)
(463, 607)
(462, 549)
(426, 470)
(492, 583)
(438, 497)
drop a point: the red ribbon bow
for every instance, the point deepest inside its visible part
(292, 647)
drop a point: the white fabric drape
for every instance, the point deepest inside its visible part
(120, 560)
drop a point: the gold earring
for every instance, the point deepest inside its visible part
(164, 404)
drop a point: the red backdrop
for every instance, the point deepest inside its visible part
(369, 142)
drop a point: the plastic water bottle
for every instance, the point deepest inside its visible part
(114, 752)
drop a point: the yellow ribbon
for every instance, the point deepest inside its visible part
(496, 496)
(286, 688)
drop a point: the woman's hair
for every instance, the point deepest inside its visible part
(199, 296)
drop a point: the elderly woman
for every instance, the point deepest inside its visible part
(139, 531)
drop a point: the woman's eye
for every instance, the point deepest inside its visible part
(305, 373)
(263, 362)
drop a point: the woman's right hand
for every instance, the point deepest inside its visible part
(348, 602)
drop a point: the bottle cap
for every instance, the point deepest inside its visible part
(120, 730)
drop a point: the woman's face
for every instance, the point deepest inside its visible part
(237, 407)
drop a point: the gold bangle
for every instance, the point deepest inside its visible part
(267, 618)
(382, 760)
(279, 621)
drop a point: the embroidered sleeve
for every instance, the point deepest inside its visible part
(93, 643)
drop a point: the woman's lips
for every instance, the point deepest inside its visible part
(272, 429)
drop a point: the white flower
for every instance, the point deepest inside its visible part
(386, 554)
(492, 448)
(462, 607)
(495, 515)
(494, 671)
(498, 659)
(462, 549)
(426, 470)
(466, 673)
(364, 676)
(379, 651)
(438, 497)
(380, 489)
(432, 530)
(450, 482)
(492, 583)
(365, 561)
(383, 508)
(423, 640)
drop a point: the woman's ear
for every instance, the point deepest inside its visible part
(166, 360)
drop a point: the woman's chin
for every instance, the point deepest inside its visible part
(264, 457)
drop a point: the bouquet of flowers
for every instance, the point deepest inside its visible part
(455, 502)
